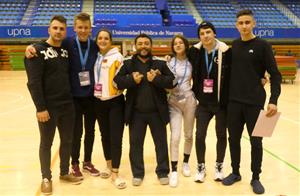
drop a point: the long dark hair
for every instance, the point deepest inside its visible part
(185, 42)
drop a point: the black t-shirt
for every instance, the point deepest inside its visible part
(144, 101)
(48, 77)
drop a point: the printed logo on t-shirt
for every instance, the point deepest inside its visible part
(51, 53)
(216, 59)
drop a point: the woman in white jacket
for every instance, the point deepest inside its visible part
(182, 106)
(109, 105)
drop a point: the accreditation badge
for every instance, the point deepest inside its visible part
(98, 90)
(84, 78)
(208, 85)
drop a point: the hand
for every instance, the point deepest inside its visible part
(30, 52)
(151, 75)
(264, 81)
(157, 72)
(43, 116)
(271, 110)
(168, 58)
(137, 77)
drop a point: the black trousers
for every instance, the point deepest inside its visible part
(62, 118)
(204, 114)
(110, 117)
(84, 110)
(137, 132)
(238, 115)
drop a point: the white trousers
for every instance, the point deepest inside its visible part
(183, 111)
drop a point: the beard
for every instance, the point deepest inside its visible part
(139, 53)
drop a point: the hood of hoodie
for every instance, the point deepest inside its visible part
(111, 52)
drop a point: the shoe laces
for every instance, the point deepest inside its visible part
(89, 164)
(219, 167)
(201, 167)
(75, 168)
(186, 166)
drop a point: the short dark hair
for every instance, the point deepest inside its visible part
(244, 12)
(59, 18)
(185, 42)
(82, 16)
(144, 36)
(105, 30)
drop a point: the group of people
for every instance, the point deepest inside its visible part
(71, 79)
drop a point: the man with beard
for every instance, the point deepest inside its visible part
(145, 77)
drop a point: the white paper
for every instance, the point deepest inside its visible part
(265, 126)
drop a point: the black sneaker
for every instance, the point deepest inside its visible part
(231, 179)
(257, 187)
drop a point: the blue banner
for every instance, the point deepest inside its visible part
(10, 32)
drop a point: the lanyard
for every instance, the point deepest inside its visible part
(209, 66)
(83, 59)
(99, 65)
(185, 68)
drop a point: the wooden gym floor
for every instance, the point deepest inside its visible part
(20, 168)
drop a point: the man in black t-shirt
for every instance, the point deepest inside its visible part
(251, 58)
(49, 86)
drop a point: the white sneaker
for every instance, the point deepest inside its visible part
(186, 170)
(173, 179)
(200, 175)
(219, 175)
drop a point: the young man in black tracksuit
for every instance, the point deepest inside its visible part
(251, 58)
(49, 86)
(145, 78)
(211, 66)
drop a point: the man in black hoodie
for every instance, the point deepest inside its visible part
(49, 86)
(251, 58)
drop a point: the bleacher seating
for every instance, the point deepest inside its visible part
(293, 6)
(46, 9)
(125, 7)
(11, 12)
(220, 13)
(266, 14)
(138, 13)
(177, 7)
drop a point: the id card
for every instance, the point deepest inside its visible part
(208, 85)
(98, 90)
(84, 78)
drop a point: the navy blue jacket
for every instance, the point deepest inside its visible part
(75, 67)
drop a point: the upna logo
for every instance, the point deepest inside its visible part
(19, 32)
(264, 32)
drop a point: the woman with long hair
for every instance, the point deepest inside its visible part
(109, 105)
(182, 106)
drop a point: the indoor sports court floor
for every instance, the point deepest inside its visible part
(20, 169)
